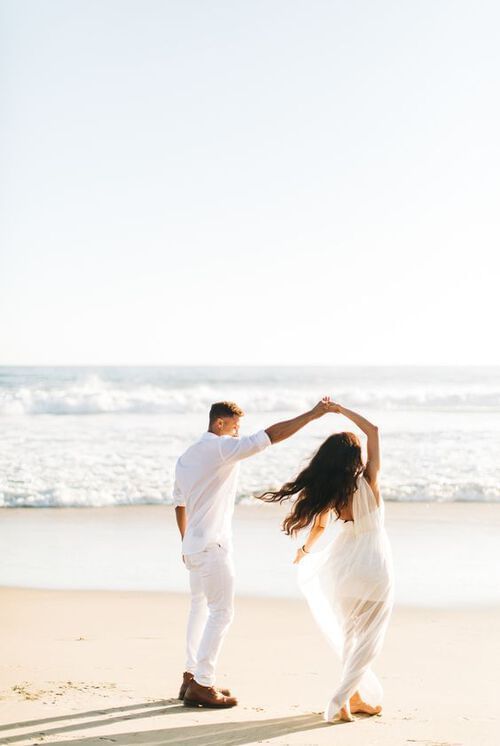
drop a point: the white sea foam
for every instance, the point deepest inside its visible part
(441, 435)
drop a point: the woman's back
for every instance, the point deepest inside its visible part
(363, 502)
(346, 513)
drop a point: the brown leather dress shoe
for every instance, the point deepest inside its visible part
(187, 679)
(197, 695)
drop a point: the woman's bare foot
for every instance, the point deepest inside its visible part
(358, 705)
(332, 715)
(345, 715)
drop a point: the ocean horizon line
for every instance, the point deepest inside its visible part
(263, 366)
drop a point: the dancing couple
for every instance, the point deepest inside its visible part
(348, 584)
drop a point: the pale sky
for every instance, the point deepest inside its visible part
(249, 182)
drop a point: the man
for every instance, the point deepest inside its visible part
(204, 493)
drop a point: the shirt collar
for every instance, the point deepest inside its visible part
(208, 435)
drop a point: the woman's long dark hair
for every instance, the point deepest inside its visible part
(328, 481)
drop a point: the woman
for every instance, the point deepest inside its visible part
(349, 584)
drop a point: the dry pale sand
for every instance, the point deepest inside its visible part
(104, 667)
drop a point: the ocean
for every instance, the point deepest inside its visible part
(95, 437)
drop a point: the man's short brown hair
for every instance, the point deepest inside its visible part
(225, 409)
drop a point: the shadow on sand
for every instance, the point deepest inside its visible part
(213, 734)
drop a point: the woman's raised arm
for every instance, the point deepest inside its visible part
(373, 446)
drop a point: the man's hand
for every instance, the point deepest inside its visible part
(322, 407)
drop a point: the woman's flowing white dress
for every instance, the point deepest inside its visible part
(349, 588)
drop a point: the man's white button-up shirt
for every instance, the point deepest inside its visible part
(205, 482)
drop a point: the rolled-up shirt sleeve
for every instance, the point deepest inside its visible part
(236, 449)
(178, 497)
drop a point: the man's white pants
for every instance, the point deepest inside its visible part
(211, 577)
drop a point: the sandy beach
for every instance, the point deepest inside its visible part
(87, 667)
(104, 666)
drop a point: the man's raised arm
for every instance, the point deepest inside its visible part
(283, 430)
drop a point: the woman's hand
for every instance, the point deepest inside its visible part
(334, 407)
(300, 555)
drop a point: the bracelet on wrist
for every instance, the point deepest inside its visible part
(303, 547)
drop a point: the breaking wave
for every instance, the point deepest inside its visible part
(96, 396)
